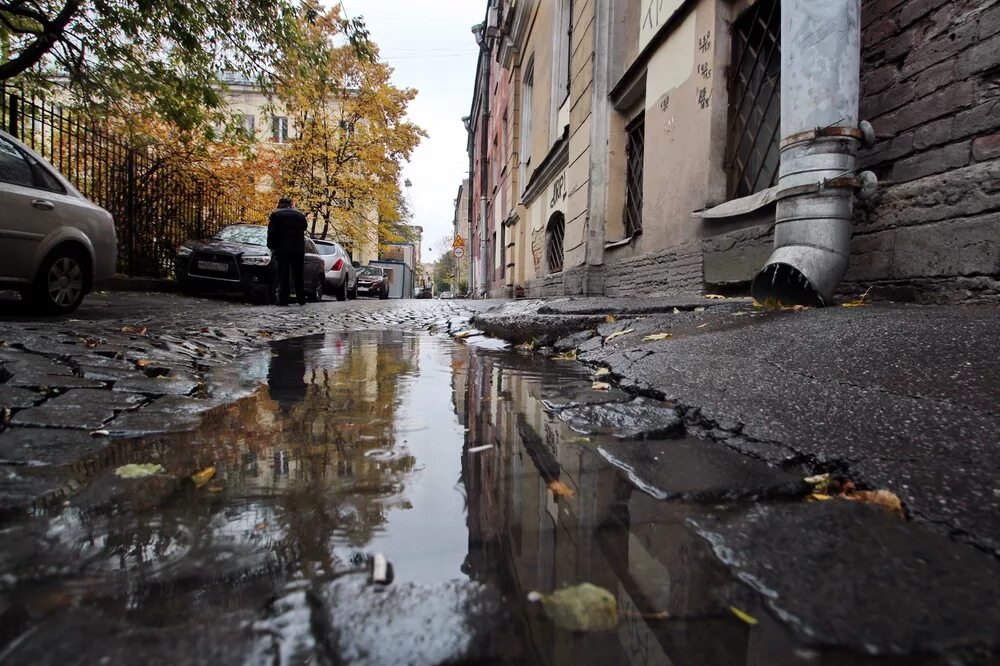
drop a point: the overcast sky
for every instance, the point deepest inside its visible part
(431, 47)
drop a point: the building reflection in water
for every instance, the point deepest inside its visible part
(524, 537)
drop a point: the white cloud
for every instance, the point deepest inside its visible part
(430, 45)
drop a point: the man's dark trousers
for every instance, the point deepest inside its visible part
(290, 262)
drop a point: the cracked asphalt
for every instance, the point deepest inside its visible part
(893, 396)
(134, 364)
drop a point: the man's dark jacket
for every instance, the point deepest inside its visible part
(286, 228)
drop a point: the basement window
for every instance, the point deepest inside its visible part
(635, 145)
(754, 100)
(555, 232)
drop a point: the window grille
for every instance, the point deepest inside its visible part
(754, 99)
(555, 232)
(634, 151)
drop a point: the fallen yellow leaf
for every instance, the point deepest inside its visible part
(602, 372)
(610, 319)
(883, 498)
(137, 330)
(560, 489)
(715, 297)
(618, 334)
(854, 304)
(462, 334)
(658, 336)
(818, 497)
(143, 362)
(746, 617)
(203, 476)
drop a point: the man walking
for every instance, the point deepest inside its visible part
(286, 228)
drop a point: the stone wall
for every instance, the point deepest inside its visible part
(931, 88)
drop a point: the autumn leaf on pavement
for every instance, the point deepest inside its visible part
(601, 386)
(715, 297)
(883, 498)
(618, 334)
(134, 330)
(201, 477)
(143, 362)
(658, 336)
(610, 319)
(746, 617)
(602, 372)
(560, 489)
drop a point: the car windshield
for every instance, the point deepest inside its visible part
(243, 234)
(374, 271)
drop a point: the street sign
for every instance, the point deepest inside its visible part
(459, 252)
(459, 242)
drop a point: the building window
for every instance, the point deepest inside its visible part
(248, 124)
(279, 129)
(555, 232)
(635, 144)
(563, 51)
(524, 150)
(754, 100)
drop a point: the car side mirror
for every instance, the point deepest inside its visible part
(356, 264)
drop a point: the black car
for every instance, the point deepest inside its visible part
(237, 260)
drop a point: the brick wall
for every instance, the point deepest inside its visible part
(674, 270)
(931, 87)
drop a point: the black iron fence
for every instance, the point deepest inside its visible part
(156, 203)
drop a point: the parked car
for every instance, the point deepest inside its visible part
(341, 272)
(55, 244)
(423, 292)
(236, 259)
(445, 294)
(373, 281)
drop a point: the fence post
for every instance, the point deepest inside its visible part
(12, 116)
(130, 206)
(200, 216)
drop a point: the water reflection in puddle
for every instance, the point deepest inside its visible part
(441, 456)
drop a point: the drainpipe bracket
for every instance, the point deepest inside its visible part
(854, 183)
(823, 133)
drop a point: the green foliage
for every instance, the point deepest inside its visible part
(163, 56)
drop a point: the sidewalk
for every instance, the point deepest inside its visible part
(889, 396)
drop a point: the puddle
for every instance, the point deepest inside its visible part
(448, 459)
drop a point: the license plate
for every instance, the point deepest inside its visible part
(360, 288)
(214, 266)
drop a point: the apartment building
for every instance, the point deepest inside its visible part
(623, 147)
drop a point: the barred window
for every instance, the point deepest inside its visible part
(555, 232)
(635, 148)
(755, 99)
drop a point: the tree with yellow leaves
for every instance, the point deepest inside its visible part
(351, 135)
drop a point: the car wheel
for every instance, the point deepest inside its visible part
(384, 295)
(317, 293)
(341, 291)
(353, 293)
(61, 282)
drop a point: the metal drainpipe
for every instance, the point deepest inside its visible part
(820, 87)
(484, 168)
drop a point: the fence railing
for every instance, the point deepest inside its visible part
(156, 204)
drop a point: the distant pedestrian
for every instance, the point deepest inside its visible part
(286, 229)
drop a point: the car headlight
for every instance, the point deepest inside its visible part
(184, 251)
(256, 260)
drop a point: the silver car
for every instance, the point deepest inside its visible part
(55, 244)
(341, 272)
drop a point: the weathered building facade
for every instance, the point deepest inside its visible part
(634, 146)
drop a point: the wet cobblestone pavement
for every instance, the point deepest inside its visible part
(128, 364)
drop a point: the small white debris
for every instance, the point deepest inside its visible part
(477, 449)
(380, 569)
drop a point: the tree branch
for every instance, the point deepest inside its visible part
(35, 51)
